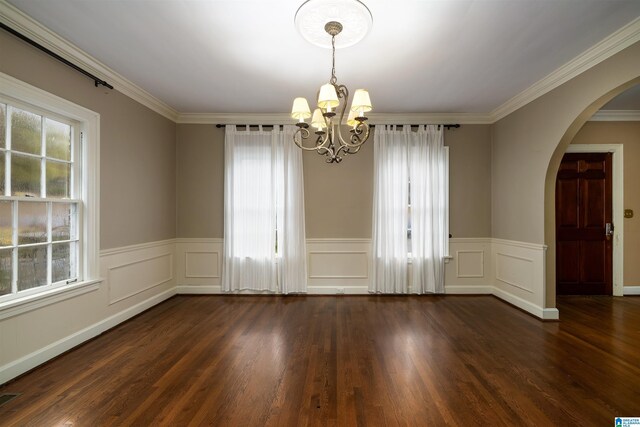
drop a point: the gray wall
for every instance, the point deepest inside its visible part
(338, 197)
(137, 148)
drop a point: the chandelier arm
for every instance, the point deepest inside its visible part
(304, 135)
(361, 128)
(343, 93)
(352, 150)
(322, 148)
(322, 142)
(356, 140)
(343, 149)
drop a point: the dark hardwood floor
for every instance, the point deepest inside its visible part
(367, 360)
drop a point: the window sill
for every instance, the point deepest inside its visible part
(32, 302)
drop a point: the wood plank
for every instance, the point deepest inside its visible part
(361, 360)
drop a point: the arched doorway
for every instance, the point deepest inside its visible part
(550, 183)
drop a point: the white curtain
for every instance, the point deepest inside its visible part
(290, 216)
(428, 175)
(409, 167)
(390, 209)
(263, 212)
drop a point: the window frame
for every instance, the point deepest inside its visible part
(85, 192)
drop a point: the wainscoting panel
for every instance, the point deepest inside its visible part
(202, 265)
(338, 266)
(199, 265)
(132, 270)
(469, 270)
(131, 278)
(470, 264)
(519, 276)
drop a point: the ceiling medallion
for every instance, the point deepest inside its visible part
(354, 16)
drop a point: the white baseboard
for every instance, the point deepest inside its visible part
(198, 290)
(520, 303)
(550, 314)
(337, 290)
(30, 361)
(467, 290)
(631, 290)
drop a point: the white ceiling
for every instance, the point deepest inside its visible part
(245, 56)
(627, 100)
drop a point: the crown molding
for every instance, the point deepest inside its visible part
(619, 40)
(26, 25)
(374, 118)
(429, 118)
(616, 116)
(235, 118)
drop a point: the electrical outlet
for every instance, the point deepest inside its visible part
(340, 291)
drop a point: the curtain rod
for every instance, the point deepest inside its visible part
(447, 126)
(96, 80)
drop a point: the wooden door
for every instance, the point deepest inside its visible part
(584, 241)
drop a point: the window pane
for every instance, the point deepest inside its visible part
(32, 267)
(26, 132)
(5, 271)
(2, 160)
(3, 125)
(61, 221)
(58, 179)
(58, 139)
(6, 223)
(63, 262)
(32, 222)
(25, 176)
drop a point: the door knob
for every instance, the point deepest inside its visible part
(608, 230)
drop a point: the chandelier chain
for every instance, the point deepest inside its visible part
(334, 79)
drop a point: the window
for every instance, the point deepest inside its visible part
(444, 203)
(47, 215)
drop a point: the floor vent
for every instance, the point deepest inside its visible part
(7, 397)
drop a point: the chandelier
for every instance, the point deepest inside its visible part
(329, 116)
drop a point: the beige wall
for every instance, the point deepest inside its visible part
(627, 134)
(137, 148)
(528, 144)
(200, 181)
(338, 198)
(525, 141)
(469, 180)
